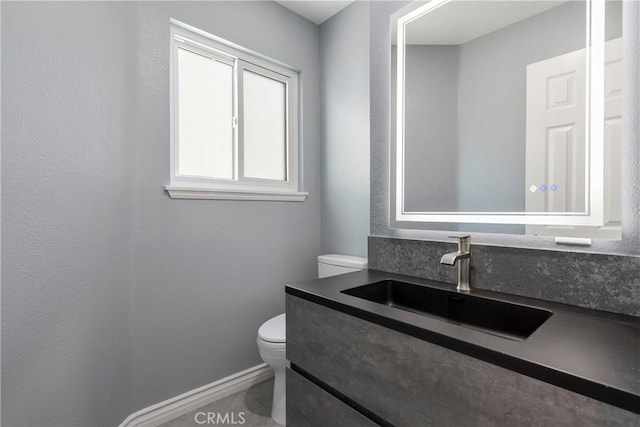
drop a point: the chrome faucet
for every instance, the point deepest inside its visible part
(462, 257)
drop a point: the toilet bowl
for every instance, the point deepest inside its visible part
(272, 349)
(272, 334)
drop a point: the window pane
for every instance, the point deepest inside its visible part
(205, 111)
(265, 111)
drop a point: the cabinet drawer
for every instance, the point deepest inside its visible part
(310, 406)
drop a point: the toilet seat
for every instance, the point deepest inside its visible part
(272, 346)
(274, 330)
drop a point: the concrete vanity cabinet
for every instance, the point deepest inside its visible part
(347, 371)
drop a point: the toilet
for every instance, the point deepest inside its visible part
(272, 334)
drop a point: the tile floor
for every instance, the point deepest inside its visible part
(254, 404)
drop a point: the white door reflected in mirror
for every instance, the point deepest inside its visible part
(555, 154)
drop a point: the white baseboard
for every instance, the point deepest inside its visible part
(162, 412)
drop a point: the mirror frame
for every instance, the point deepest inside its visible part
(594, 196)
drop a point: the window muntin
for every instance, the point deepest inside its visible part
(234, 121)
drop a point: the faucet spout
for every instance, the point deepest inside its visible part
(452, 257)
(462, 257)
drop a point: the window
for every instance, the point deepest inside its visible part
(234, 121)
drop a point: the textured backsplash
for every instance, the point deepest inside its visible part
(602, 282)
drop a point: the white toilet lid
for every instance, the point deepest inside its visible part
(274, 330)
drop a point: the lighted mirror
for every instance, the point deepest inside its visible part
(509, 112)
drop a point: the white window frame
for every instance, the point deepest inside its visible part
(240, 187)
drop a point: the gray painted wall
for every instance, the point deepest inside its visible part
(115, 296)
(67, 133)
(344, 48)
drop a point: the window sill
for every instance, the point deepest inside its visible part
(211, 194)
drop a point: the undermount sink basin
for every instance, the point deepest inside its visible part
(495, 317)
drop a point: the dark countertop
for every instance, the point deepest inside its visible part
(594, 353)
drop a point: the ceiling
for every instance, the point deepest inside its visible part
(316, 11)
(458, 22)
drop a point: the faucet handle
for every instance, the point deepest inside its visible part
(460, 237)
(464, 242)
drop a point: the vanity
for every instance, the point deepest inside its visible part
(364, 351)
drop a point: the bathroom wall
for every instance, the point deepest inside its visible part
(208, 273)
(68, 74)
(344, 49)
(115, 296)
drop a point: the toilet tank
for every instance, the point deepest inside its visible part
(334, 264)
